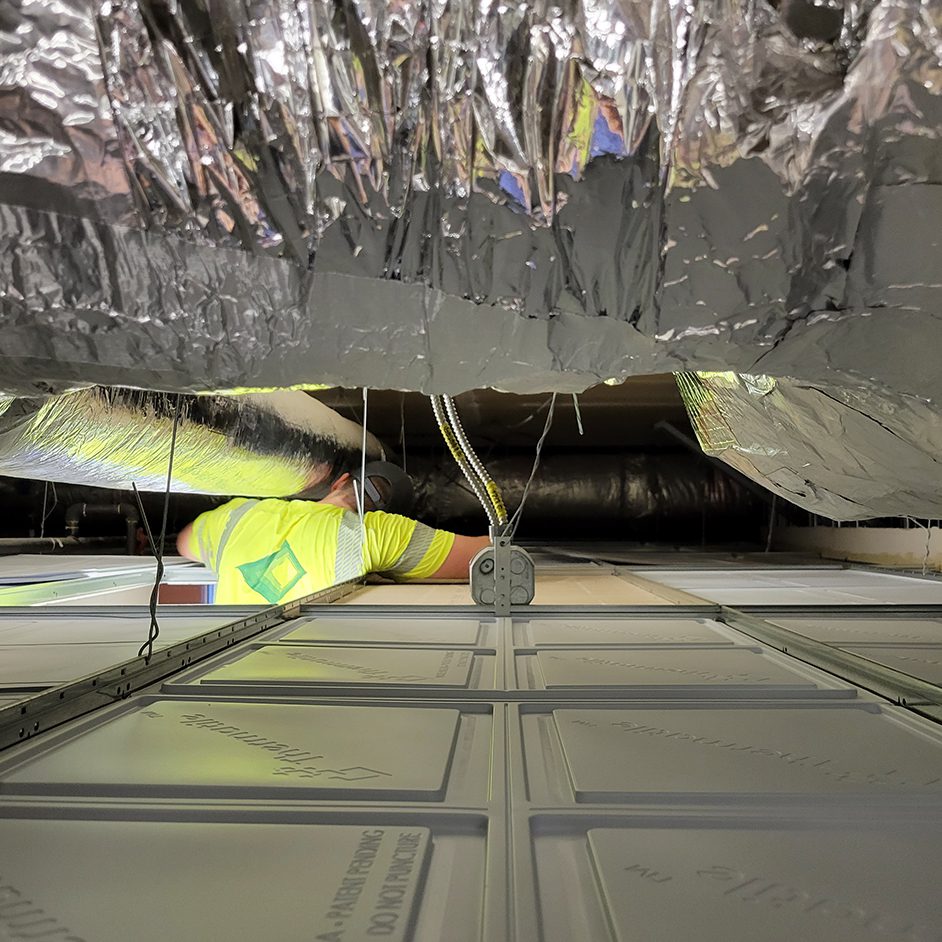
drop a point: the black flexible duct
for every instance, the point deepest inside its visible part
(630, 495)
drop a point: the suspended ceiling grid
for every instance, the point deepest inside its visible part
(603, 772)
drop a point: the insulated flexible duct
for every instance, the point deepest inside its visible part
(442, 196)
(265, 445)
(844, 453)
(576, 493)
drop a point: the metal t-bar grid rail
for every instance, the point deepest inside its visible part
(50, 708)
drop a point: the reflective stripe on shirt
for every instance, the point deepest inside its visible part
(234, 518)
(348, 563)
(419, 544)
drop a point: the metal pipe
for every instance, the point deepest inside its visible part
(79, 512)
(12, 546)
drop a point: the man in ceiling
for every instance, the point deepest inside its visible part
(274, 551)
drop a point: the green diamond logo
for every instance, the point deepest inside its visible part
(273, 576)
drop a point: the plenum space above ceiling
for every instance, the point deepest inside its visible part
(620, 460)
(622, 416)
(626, 474)
(623, 477)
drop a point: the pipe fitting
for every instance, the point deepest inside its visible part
(76, 513)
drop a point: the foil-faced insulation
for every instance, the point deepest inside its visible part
(259, 445)
(846, 454)
(447, 195)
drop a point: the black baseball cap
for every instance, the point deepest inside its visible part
(397, 496)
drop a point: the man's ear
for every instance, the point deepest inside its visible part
(340, 483)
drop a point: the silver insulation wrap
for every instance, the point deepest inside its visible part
(439, 196)
(275, 445)
(842, 453)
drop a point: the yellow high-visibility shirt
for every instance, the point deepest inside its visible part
(273, 551)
